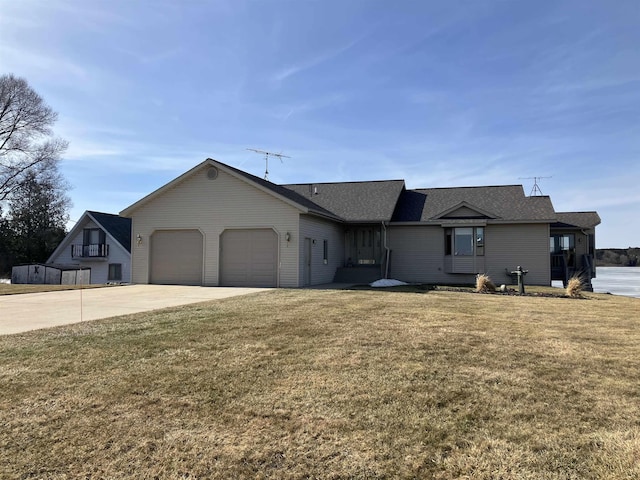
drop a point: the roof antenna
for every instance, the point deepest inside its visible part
(266, 160)
(535, 191)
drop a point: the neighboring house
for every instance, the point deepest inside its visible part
(101, 242)
(217, 225)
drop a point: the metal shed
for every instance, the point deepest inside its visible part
(50, 274)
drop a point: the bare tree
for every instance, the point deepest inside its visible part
(26, 139)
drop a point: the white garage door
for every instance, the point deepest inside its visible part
(249, 258)
(176, 257)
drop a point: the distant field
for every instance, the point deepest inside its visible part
(331, 384)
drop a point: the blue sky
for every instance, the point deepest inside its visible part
(439, 93)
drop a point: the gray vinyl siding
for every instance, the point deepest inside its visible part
(320, 230)
(508, 246)
(418, 254)
(213, 206)
(464, 264)
(99, 268)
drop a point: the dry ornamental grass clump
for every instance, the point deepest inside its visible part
(574, 287)
(484, 284)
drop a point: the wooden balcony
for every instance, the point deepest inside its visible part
(95, 251)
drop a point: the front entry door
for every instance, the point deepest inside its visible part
(364, 246)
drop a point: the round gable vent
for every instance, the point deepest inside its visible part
(212, 173)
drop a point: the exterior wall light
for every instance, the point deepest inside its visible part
(287, 237)
(139, 239)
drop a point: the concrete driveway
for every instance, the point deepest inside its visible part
(21, 313)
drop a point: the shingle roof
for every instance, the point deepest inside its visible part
(354, 201)
(409, 207)
(579, 219)
(118, 227)
(504, 202)
(388, 200)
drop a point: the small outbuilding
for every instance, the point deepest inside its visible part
(50, 274)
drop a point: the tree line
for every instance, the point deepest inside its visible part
(618, 257)
(34, 204)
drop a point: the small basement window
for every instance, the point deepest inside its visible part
(115, 272)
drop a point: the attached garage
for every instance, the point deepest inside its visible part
(176, 257)
(249, 258)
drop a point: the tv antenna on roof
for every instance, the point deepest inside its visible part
(266, 160)
(535, 191)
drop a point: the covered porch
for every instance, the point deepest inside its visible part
(572, 247)
(367, 257)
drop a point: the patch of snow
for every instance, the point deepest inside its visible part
(5, 280)
(386, 282)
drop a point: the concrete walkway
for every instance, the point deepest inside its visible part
(31, 311)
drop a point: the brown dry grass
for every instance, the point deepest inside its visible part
(17, 289)
(331, 384)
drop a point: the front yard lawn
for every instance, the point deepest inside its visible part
(331, 384)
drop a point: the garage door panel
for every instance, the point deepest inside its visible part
(249, 258)
(176, 257)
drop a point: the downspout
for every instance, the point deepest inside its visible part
(387, 250)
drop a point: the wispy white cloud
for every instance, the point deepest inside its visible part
(24, 61)
(83, 151)
(310, 104)
(324, 57)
